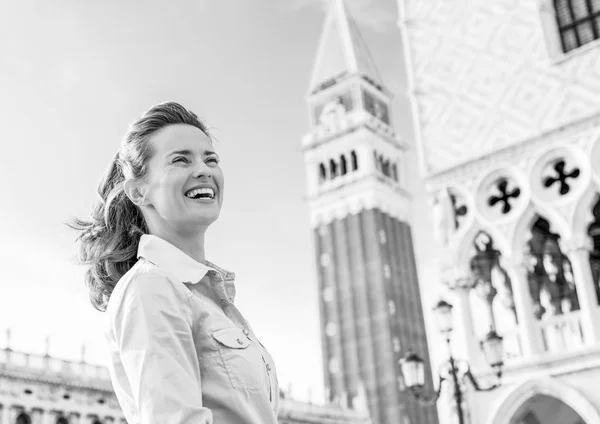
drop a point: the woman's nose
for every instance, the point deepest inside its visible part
(202, 170)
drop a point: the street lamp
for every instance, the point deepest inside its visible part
(413, 367)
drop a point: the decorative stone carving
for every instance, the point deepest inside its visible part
(443, 217)
(500, 196)
(483, 71)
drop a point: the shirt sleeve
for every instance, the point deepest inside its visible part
(152, 327)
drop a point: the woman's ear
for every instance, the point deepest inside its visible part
(136, 192)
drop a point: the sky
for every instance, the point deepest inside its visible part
(74, 74)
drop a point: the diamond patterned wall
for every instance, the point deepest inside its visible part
(484, 80)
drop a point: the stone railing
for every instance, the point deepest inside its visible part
(30, 362)
(562, 332)
(293, 412)
(513, 349)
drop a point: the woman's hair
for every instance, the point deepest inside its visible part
(108, 240)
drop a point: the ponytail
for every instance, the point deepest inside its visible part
(108, 241)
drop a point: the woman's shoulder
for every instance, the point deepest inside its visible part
(145, 280)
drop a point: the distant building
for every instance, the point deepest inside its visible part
(40, 389)
(370, 305)
(506, 100)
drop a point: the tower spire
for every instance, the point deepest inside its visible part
(342, 50)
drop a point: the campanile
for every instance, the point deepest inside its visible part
(370, 306)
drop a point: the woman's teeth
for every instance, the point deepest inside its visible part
(207, 193)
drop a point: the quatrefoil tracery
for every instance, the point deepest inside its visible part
(562, 177)
(505, 195)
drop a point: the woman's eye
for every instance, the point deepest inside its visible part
(212, 160)
(180, 159)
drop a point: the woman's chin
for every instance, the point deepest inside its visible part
(205, 218)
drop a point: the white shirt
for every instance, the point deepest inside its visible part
(181, 352)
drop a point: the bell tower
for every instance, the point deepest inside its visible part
(370, 306)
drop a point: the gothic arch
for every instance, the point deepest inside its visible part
(582, 215)
(510, 403)
(465, 243)
(532, 212)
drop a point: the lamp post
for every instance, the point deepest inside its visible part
(456, 371)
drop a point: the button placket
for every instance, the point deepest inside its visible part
(268, 368)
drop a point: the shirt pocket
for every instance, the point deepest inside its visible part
(242, 360)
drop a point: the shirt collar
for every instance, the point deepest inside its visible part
(168, 257)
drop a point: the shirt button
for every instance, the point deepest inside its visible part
(268, 367)
(224, 301)
(240, 342)
(246, 332)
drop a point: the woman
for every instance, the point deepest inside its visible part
(181, 352)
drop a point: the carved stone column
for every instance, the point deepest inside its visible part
(460, 282)
(529, 333)
(465, 323)
(578, 253)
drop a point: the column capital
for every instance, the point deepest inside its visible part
(516, 260)
(573, 245)
(456, 278)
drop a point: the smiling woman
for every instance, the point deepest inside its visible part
(181, 352)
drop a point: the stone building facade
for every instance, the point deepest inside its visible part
(506, 106)
(370, 303)
(40, 389)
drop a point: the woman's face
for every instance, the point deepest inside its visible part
(184, 183)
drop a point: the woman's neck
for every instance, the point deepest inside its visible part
(190, 243)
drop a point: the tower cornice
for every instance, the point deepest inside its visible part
(353, 122)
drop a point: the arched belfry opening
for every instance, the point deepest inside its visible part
(343, 165)
(354, 160)
(594, 233)
(23, 418)
(333, 168)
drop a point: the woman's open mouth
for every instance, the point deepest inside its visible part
(206, 194)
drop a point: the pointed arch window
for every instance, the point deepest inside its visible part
(354, 159)
(578, 22)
